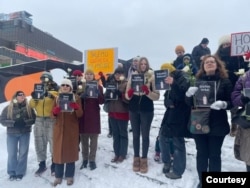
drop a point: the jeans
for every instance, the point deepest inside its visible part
(17, 148)
(179, 155)
(120, 136)
(69, 171)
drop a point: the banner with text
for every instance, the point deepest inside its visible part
(104, 60)
(240, 43)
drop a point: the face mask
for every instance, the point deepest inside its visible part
(225, 51)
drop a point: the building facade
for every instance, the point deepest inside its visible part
(20, 42)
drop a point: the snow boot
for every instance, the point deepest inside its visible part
(57, 181)
(84, 164)
(136, 164)
(42, 168)
(143, 165)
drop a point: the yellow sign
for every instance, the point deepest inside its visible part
(103, 60)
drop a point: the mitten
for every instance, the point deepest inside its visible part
(130, 92)
(74, 105)
(244, 99)
(218, 105)
(191, 91)
(33, 95)
(56, 110)
(145, 89)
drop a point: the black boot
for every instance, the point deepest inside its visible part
(41, 169)
(84, 164)
(92, 165)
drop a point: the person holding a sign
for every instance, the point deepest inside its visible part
(66, 132)
(90, 123)
(18, 118)
(141, 93)
(208, 146)
(234, 64)
(118, 113)
(241, 98)
(174, 127)
(43, 129)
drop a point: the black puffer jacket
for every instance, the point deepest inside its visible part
(176, 118)
(218, 121)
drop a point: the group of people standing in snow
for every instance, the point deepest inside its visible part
(65, 130)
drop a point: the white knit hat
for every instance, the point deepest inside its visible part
(225, 39)
(68, 82)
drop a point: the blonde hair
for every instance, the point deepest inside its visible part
(13, 102)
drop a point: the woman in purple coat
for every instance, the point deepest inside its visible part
(90, 125)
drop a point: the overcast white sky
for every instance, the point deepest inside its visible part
(150, 28)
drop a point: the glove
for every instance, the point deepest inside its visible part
(244, 99)
(74, 105)
(33, 95)
(191, 91)
(101, 74)
(56, 110)
(130, 92)
(218, 105)
(145, 89)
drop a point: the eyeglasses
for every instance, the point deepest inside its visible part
(20, 94)
(65, 85)
(206, 62)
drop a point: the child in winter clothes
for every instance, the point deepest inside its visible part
(18, 117)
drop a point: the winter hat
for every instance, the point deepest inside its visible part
(224, 39)
(46, 75)
(19, 92)
(89, 71)
(186, 56)
(67, 82)
(179, 48)
(204, 41)
(119, 70)
(77, 73)
(168, 66)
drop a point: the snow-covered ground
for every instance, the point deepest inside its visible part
(110, 175)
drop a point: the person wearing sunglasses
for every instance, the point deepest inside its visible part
(66, 135)
(18, 117)
(43, 129)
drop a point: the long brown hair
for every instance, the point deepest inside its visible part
(221, 70)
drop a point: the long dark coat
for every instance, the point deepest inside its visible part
(66, 135)
(176, 118)
(90, 121)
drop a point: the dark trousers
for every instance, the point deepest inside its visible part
(141, 123)
(120, 136)
(69, 172)
(208, 157)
